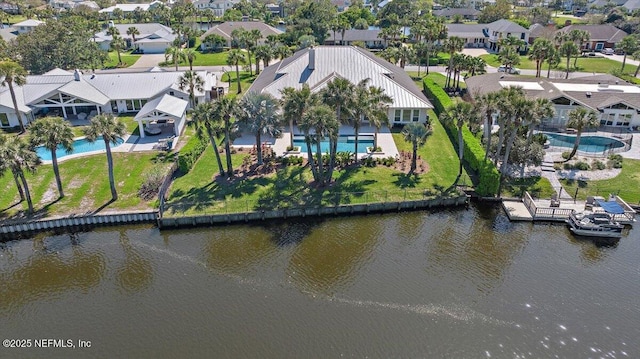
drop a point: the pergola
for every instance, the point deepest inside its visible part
(162, 111)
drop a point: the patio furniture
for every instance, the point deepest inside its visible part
(82, 116)
(152, 130)
(555, 202)
(589, 203)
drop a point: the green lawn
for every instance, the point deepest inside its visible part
(86, 184)
(127, 60)
(246, 79)
(209, 59)
(538, 187)
(626, 184)
(560, 20)
(585, 64)
(200, 191)
(132, 126)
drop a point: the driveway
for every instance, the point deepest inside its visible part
(147, 61)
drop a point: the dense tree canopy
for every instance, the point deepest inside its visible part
(66, 43)
(315, 16)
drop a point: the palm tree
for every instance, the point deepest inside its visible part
(416, 134)
(435, 30)
(117, 44)
(133, 32)
(579, 37)
(487, 105)
(405, 55)
(259, 113)
(262, 53)
(208, 125)
(226, 107)
(542, 109)
(378, 112)
(174, 54)
(338, 94)
(17, 156)
(581, 119)
(451, 46)
(190, 54)
(110, 129)
(477, 65)
(540, 51)
(629, 45)
(12, 73)
(283, 52)
(51, 133)
(294, 104)
(568, 49)
(509, 57)
(191, 82)
(370, 102)
(235, 57)
(322, 120)
(459, 114)
(636, 56)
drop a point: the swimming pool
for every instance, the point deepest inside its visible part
(345, 144)
(79, 146)
(591, 144)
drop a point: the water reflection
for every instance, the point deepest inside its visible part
(58, 267)
(331, 254)
(236, 248)
(136, 273)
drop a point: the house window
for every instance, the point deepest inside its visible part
(416, 116)
(599, 46)
(522, 36)
(398, 116)
(406, 115)
(130, 106)
(624, 119)
(4, 121)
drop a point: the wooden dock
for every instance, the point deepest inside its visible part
(516, 210)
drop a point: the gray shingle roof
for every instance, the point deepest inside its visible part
(503, 25)
(226, 28)
(150, 31)
(352, 63)
(603, 32)
(466, 31)
(357, 35)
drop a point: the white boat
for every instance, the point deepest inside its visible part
(599, 225)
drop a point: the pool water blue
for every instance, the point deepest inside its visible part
(345, 144)
(79, 146)
(591, 144)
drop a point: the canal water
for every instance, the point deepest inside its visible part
(462, 283)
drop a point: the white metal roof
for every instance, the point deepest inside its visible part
(345, 62)
(596, 88)
(170, 105)
(524, 84)
(83, 90)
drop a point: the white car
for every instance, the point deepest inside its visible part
(608, 51)
(512, 71)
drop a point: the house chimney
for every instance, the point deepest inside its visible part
(77, 75)
(312, 58)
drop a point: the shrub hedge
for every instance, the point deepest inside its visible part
(190, 153)
(488, 175)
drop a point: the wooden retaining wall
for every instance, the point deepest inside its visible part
(202, 220)
(16, 230)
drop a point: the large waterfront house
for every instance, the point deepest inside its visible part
(129, 8)
(488, 35)
(600, 36)
(317, 66)
(77, 96)
(616, 101)
(370, 38)
(226, 28)
(218, 7)
(153, 38)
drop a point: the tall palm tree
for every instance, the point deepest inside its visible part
(459, 114)
(568, 49)
(579, 37)
(110, 129)
(629, 45)
(12, 73)
(378, 112)
(117, 44)
(405, 54)
(540, 51)
(451, 46)
(487, 105)
(542, 109)
(259, 113)
(235, 57)
(521, 112)
(226, 108)
(636, 56)
(208, 126)
(174, 54)
(338, 94)
(581, 119)
(322, 120)
(190, 55)
(416, 134)
(294, 104)
(283, 52)
(191, 82)
(51, 133)
(435, 30)
(263, 53)
(369, 102)
(133, 32)
(17, 156)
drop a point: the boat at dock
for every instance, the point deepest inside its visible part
(594, 224)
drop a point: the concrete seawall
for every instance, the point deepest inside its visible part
(213, 219)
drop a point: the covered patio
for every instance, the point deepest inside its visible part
(161, 115)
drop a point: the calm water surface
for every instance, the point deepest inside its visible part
(455, 284)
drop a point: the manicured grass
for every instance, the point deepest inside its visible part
(585, 64)
(127, 59)
(14, 19)
(626, 184)
(538, 187)
(86, 184)
(246, 79)
(560, 20)
(209, 59)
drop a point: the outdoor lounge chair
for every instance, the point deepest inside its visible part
(555, 202)
(589, 203)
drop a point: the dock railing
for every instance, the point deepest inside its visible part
(547, 213)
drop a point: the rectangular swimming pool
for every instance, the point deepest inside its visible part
(346, 143)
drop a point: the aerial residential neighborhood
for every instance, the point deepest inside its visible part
(319, 178)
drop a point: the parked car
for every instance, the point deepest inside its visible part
(512, 71)
(618, 51)
(608, 51)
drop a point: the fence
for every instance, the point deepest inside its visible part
(622, 135)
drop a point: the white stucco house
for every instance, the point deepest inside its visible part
(73, 95)
(218, 7)
(616, 101)
(318, 65)
(154, 38)
(27, 26)
(488, 35)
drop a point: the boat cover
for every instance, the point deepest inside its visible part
(611, 207)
